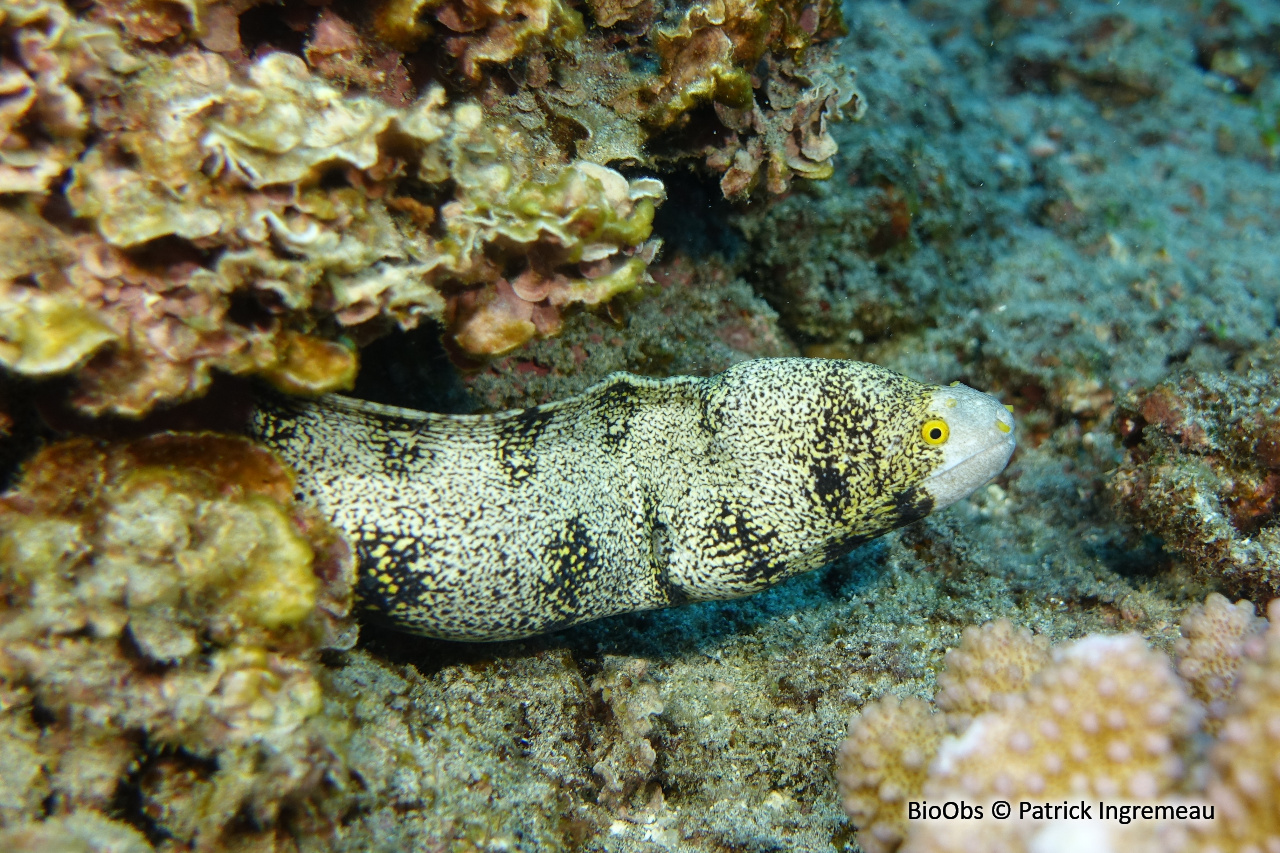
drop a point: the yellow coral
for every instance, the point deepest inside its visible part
(1244, 783)
(883, 763)
(1215, 637)
(991, 664)
(42, 334)
(1105, 718)
(488, 31)
(165, 596)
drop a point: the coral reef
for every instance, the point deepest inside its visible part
(241, 218)
(193, 199)
(489, 33)
(1103, 716)
(164, 604)
(1203, 473)
(82, 832)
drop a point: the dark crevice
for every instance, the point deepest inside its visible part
(412, 369)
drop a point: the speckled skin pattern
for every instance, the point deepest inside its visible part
(635, 494)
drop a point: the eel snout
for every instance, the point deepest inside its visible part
(979, 445)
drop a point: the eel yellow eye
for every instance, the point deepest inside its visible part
(935, 432)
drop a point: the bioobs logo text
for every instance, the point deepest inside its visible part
(950, 810)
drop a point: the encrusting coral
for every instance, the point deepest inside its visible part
(163, 605)
(1203, 473)
(1101, 717)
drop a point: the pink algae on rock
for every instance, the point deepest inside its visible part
(1202, 473)
(163, 603)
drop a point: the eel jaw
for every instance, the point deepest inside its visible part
(982, 440)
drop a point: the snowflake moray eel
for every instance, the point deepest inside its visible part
(635, 494)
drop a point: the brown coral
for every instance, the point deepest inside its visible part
(488, 31)
(788, 140)
(43, 114)
(744, 58)
(163, 605)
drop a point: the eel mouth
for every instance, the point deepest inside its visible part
(982, 440)
(961, 478)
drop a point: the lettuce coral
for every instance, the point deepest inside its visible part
(164, 605)
(44, 118)
(242, 219)
(651, 83)
(193, 200)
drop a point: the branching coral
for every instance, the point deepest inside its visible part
(1245, 774)
(164, 602)
(1216, 636)
(1203, 473)
(1100, 717)
(883, 763)
(1107, 717)
(991, 665)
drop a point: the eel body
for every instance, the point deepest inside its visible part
(635, 494)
